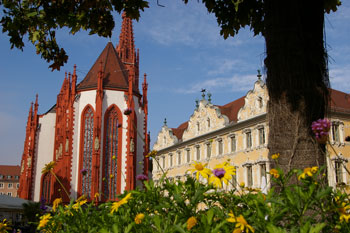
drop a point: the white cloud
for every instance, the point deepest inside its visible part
(339, 77)
(237, 83)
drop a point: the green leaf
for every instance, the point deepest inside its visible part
(31, 14)
(210, 215)
(317, 228)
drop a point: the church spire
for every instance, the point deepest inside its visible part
(126, 49)
(126, 46)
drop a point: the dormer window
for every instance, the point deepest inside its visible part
(208, 123)
(260, 102)
(198, 127)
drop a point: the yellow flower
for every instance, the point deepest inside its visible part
(191, 222)
(344, 217)
(200, 169)
(80, 201)
(242, 184)
(232, 217)
(138, 218)
(111, 176)
(242, 224)
(44, 220)
(152, 154)
(97, 195)
(222, 173)
(117, 204)
(4, 228)
(307, 172)
(274, 173)
(275, 156)
(55, 204)
(48, 167)
(114, 157)
(314, 170)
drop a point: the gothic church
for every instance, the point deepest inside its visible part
(96, 132)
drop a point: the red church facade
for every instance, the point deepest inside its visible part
(96, 133)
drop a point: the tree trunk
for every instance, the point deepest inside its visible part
(297, 80)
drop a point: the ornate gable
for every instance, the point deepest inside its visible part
(255, 102)
(207, 117)
(165, 138)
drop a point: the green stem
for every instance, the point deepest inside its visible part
(58, 180)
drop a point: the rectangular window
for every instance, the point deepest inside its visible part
(338, 172)
(234, 180)
(163, 161)
(171, 160)
(263, 178)
(9, 194)
(1, 177)
(188, 152)
(9, 177)
(198, 153)
(335, 132)
(220, 144)
(261, 136)
(1, 185)
(249, 139)
(249, 176)
(233, 144)
(10, 185)
(208, 150)
(179, 158)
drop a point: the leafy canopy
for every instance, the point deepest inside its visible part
(41, 19)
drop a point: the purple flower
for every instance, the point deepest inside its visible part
(141, 177)
(43, 207)
(321, 129)
(127, 111)
(219, 172)
(83, 172)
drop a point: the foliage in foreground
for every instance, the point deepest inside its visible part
(191, 206)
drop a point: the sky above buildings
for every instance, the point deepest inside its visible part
(181, 51)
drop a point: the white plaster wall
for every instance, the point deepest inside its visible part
(74, 184)
(86, 97)
(117, 98)
(45, 141)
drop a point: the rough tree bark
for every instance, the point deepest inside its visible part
(297, 80)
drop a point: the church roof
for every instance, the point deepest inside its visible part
(115, 75)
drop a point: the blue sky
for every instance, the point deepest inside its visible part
(180, 50)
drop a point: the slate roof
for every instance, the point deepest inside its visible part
(115, 73)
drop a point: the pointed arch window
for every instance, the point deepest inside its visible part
(87, 144)
(45, 190)
(111, 154)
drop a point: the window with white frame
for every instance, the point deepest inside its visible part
(170, 160)
(335, 132)
(1, 185)
(263, 177)
(208, 150)
(220, 147)
(188, 155)
(338, 171)
(233, 143)
(198, 153)
(248, 136)
(179, 157)
(261, 136)
(249, 175)
(10, 185)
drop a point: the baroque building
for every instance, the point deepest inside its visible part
(96, 132)
(238, 132)
(9, 180)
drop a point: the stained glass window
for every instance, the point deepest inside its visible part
(111, 155)
(88, 130)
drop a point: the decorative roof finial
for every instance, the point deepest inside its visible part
(209, 97)
(165, 123)
(203, 93)
(259, 75)
(197, 103)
